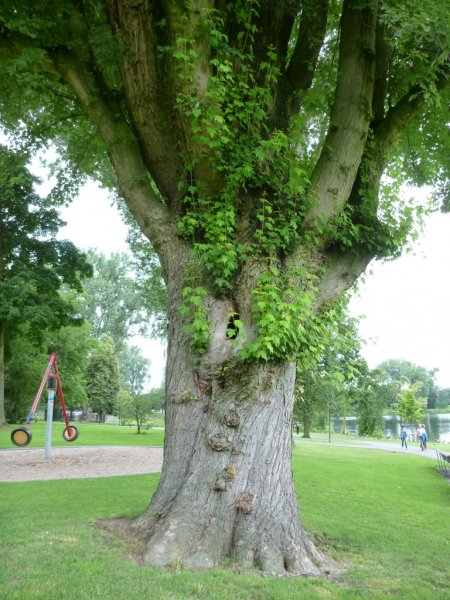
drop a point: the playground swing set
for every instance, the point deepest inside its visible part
(21, 436)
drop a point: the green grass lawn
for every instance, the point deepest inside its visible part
(385, 515)
(91, 434)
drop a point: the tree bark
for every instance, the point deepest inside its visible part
(306, 426)
(226, 488)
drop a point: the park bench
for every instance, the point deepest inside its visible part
(443, 460)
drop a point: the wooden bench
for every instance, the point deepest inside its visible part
(443, 459)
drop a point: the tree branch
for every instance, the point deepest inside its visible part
(132, 175)
(148, 90)
(407, 108)
(300, 71)
(335, 172)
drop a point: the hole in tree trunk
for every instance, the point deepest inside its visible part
(232, 328)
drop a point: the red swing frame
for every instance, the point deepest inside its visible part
(70, 433)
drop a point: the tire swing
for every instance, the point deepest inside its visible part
(21, 436)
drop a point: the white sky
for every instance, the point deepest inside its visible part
(406, 302)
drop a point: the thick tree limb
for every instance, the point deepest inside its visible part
(336, 168)
(383, 49)
(148, 91)
(407, 108)
(386, 131)
(124, 152)
(300, 71)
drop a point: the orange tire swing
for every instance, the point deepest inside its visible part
(21, 436)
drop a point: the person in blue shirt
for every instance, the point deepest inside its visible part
(404, 437)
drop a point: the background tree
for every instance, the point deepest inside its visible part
(102, 376)
(148, 276)
(73, 347)
(324, 388)
(156, 398)
(397, 370)
(114, 304)
(24, 367)
(368, 397)
(411, 407)
(134, 369)
(443, 398)
(134, 410)
(248, 141)
(34, 265)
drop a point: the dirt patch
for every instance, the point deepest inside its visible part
(132, 538)
(25, 464)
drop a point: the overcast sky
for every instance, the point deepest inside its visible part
(406, 302)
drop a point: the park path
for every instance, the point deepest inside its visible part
(413, 449)
(26, 464)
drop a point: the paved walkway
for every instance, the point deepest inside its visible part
(413, 448)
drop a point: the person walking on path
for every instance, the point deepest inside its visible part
(424, 437)
(404, 437)
(422, 433)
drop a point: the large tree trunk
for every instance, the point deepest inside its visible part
(226, 488)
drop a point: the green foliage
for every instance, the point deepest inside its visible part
(411, 408)
(198, 327)
(387, 221)
(133, 369)
(222, 71)
(113, 303)
(34, 265)
(324, 384)
(396, 371)
(283, 307)
(73, 347)
(228, 123)
(147, 274)
(156, 398)
(134, 410)
(26, 361)
(102, 376)
(367, 397)
(24, 368)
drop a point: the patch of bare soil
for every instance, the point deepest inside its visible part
(26, 464)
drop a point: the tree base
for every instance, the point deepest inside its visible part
(273, 564)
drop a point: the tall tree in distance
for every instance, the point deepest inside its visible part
(249, 141)
(34, 265)
(113, 303)
(397, 370)
(411, 406)
(102, 377)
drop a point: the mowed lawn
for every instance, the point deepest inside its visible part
(385, 516)
(91, 434)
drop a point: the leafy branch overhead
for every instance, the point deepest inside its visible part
(242, 131)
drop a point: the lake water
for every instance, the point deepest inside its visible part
(437, 426)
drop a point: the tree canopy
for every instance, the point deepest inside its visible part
(399, 372)
(113, 302)
(34, 265)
